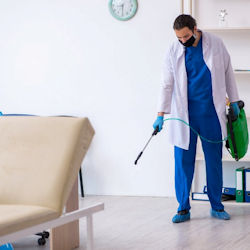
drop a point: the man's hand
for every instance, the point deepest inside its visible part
(158, 123)
(235, 108)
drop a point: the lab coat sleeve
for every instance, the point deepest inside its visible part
(166, 90)
(231, 86)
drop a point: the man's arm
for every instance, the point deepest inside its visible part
(165, 99)
(160, 113)
(166, 91)
(231, 86)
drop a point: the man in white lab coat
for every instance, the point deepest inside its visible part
(197, 78)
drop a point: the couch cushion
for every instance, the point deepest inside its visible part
(17, 217)
(40, 158)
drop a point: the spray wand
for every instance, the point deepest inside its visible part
(178, 119)
(154, 133)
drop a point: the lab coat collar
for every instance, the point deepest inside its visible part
(206, 51)
(181, 49)
(205, 42)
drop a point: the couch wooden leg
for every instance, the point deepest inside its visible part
(66, 237)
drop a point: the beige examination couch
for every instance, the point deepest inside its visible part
(39, 162)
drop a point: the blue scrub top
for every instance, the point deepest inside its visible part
(200, 99)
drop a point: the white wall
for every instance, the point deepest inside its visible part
(74, 58)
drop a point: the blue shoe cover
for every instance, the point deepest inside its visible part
(181, 218)
(223, 215)
(6, 247)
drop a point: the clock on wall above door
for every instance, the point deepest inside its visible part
(123, 10)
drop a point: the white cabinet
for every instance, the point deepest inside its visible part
(208, 13)
(236, 36)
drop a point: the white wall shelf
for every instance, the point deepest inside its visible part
(222, 29)
(226, 157)
(227, 203)
(241, 72)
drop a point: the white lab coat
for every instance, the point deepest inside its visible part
(173, 94)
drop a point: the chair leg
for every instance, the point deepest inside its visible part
(81, 182)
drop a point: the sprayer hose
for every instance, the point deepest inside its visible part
(203, 138)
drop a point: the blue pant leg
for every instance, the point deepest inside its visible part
(184, 171)
(210, 129)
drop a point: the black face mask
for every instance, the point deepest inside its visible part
(189, 42)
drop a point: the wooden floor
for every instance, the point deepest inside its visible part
(144, 223)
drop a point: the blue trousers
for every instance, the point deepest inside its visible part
(209, 127)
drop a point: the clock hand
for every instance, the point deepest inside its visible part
(120, 4)
(122, 8)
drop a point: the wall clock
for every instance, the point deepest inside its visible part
(123, 10)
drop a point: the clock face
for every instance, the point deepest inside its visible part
(123, 9)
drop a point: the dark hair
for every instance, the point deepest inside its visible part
(184, 21)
